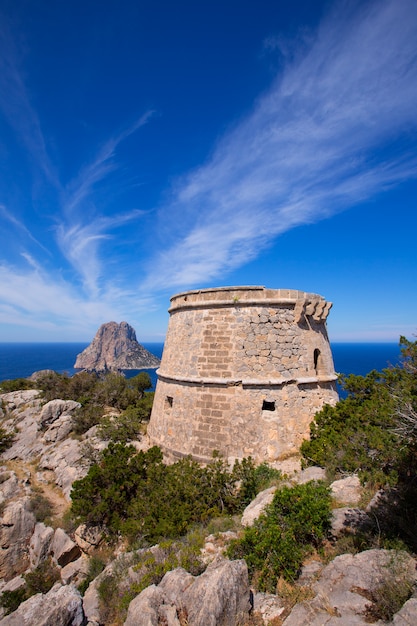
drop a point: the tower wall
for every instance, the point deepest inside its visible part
(243, 372)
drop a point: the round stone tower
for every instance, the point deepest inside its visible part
(243, 372)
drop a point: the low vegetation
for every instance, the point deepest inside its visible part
(40, 580)
(373, 432)
(138, 495)
(294, 525)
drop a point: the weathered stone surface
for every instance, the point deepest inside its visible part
(75, 571)
(115, 347)
(88, 537)
(52, 410)
(407, 615)
(244, 371)
(61, 606)
(23, 409)
(346, 583)
(66, 460)
(16, 528)
(268, 606)
(145, 608)
(347, 490)
(59, 430)
(8, 486)
(257, 506)
(348, 520)
(220, 596)
(40, 544)
(214, 545)
(63, 549)
(310, 473)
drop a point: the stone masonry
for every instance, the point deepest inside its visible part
(244, 371)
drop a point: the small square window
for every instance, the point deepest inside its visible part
(268, 406)
(169, 401)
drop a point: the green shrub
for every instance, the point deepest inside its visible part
(40, 580)
(136, 494)
(6, 439)
(86, 417)
(116, 592)
(11, 600)
(40, 506)
(294, 524)
(16, 384)
(395, 588)
(128, 426)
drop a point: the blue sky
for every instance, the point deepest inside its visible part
(150, 147)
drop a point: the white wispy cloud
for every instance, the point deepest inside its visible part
(80, 244)
(322, 139)
(34, 298)
(17, 107)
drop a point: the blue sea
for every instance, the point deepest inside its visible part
(19, 360)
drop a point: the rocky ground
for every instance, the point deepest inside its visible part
(36, 475)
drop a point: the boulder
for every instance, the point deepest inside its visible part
(9, 485)
(145, 608)
(309, 474)
(214, 545)
(63, 549)
(61, 606)
(66, 460)
(88, 537)
(345, 586)
(348, 520)
(257, 506)
(220, 596)
(40, 544)
(16, 528)
(52, 410)
(347, 490)
(75, 571)
(407, 615)
(60, 429)
(268, 606)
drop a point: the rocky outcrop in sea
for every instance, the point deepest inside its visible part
(115, 348)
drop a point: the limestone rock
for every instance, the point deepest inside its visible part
(8, 486)
(63, 548)
(40, 544)
(66, 461)
(218, 597)
(144, 609)
(348, 520)
(344, 587)
(61, 606)
(52, 410)
(268, 606)
(257, 506)
(407, 615)
(214, 545)
(88, 537)
(115, 347)
(16, 528)
(75, 571)
(347, 490)
(310, 473)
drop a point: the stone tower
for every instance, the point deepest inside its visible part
(243, 372)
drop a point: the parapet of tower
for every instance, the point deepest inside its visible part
(243, 372)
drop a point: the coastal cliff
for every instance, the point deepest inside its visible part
(115, 348)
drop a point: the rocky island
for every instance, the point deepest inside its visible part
(115, 348)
